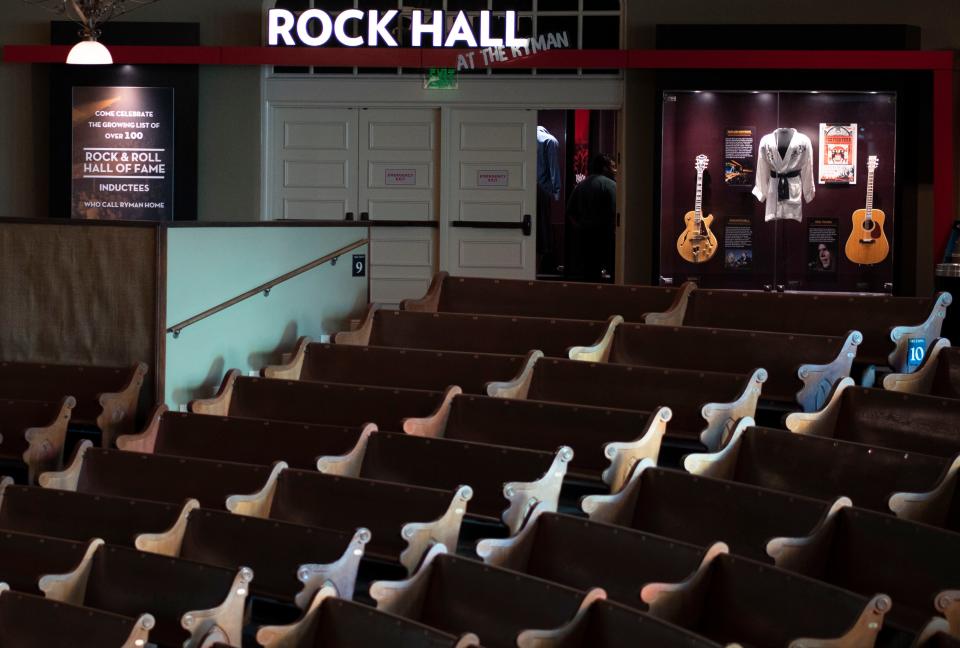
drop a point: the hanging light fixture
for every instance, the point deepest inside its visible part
(90, 14)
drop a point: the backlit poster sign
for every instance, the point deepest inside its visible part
(122, 153)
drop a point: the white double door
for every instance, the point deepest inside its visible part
(389, 165)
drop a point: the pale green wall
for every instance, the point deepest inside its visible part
(207, 266)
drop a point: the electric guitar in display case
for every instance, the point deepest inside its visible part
(868, 244)
(697, 244)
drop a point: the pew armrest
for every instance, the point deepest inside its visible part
(802, 554)
(219, 405)
(935, 626)
(67, 478)
(625, 456)
(824, 422)
(71, 587)
(258, 504)
(513, 552)
(864, 631)
(435, 425)
(721, 418)
(405, 597)
(294, 636)
(818, 380)
(927, 331)
(168, 543)
(361, 336)
(45, 444)
(430, 302)
(674, 315)
(119, 409)
(292, 369)
(348, 465)
(721, 464)
(931, 507)
(599, 351)
(921, 380)
(422, 537)
(146, 441)
(613, 509)
(341, 574)
(524, 496)
(948, 604)
(681, 602)
(140, 634)
(223, 623)
(4, 483)
(519, 387)
(558, 637)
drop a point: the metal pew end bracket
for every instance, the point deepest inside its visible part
(607, 508)
(519, 387)
(258, 504)
(599, 351)
(292, 369)
(928, 331)
(361, 336)
(67, 478)
(822, 422)
(818, 380)
(624, 457)
(722, 417)
(219, 405)
(433, 426)
(720, 464)
(524, 496)
(423, 537)
(932, 507)
(921, 380)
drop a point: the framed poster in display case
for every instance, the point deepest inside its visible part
(791, 189)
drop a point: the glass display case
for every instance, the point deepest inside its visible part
(778, 190)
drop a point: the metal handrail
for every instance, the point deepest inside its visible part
(265, 288)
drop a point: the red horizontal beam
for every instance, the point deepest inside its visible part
(552, 59)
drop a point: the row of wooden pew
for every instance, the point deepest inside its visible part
(384, 458)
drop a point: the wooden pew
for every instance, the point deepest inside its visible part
(920, 570)
(395, 367)
(34, 432)
(292, 562)
(606, 443)
(801, 368)
(887, 323)
(106, 397)
(705, 405)
(911, 422)
(736, 600)
(506, 482)
(549, 299)
(823, 468)
(158, 478)
(332, 622)
(192, 603)
(601, 623)
(473, 333)
(936, 634)
(28, 620)
(405, 521)
(240, 440)
(458, 595)
(323, 403)
(665, 502)
(25, 558)
(939, 375)
(81, 517)
(583, 555)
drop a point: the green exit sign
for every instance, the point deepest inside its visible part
(440, 79)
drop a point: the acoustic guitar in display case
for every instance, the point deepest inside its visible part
(697, 244)
(868, 244)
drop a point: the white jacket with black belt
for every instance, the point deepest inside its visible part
(799, 157)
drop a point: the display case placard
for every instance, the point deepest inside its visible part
(739, 159)
(122, 153)
(738, 244)
(823, 235)
(838, 154)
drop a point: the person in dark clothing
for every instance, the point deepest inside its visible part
(591, 223)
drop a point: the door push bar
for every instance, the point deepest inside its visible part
(526, 225)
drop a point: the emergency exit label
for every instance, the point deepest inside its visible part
(493, 178)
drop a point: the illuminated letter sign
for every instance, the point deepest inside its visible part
(284, 28)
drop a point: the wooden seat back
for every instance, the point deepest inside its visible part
(240, 440)
(396, 367)
(822, 468)
(312, 402)
(25, 558)
(158, 478)
(663, 502)
(29, 620)
(80, 516)
(733, 351)
(472, 333)
(920, 571)
(543, 298)
(946, 381)
(460, 596)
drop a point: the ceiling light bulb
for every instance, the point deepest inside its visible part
(89, 52)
